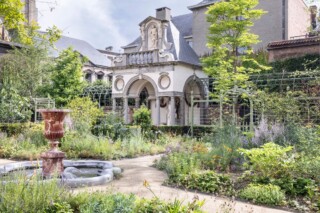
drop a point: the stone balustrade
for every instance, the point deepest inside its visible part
(137, 58)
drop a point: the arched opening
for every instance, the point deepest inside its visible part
(140, 91)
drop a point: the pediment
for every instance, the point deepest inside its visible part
(148, 19)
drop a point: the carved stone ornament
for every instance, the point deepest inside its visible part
(164, 81)
(165, 54)
(119, 84)
(152, 37)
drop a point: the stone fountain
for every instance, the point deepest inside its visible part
(71, 173)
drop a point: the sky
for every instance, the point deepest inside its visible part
(104, 23)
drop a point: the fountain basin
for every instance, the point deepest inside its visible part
(76, 173)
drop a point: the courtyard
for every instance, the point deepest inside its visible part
(212, 106)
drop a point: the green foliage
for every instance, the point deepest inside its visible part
(22, 72)
(142, 117)
(112, 126)
(230, 23)
(296, 64)
(293, 186)
(207, 181)
(84, 113)
(13, 19)
(62, 207)
(263, 194)
(225, 143)
(13, 128)
(99, 202)
(66, 77)
(24, 69)
(30, 196)
(277, 107)
(270, 161)
(79, 145)
(13, 107)
(156, 205)
(176, 164)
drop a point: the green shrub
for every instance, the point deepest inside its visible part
(142, 117)
(225, 143)
(270, 161)
(12, 129)
(30, 196)
(112, 126)
(84, 113)
(176, 164)
(77, 145)
(207, 181)
(62, 207)
(293, 186)
(263, 194)
(156, 205)
(99, 202)
(19, 148)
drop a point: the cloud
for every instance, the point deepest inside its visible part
(105, 22)
(88, 20)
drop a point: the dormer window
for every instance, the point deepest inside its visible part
(189, 40)
(100, 76)
(88, 77)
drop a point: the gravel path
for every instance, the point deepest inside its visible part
(139, 169)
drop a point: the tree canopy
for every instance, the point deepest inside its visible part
(231, 61)
(14, 20)
(66, 77)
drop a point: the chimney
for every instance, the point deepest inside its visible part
(163, 13)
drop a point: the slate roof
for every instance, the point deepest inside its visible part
(83, 47)
(180, 48)
(203, 4)
(179, 27)
(183, 23)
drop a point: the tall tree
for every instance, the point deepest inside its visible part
(231, 61)
(14, 20)
(66, 77)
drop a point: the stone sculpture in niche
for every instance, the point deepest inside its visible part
(153, 38)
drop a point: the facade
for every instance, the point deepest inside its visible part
(284, 19)
(161, 68)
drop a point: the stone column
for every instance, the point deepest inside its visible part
(182, 111)
(137, 102)
(172, 111)
(158, 111)
(114, 104)
(125, 109)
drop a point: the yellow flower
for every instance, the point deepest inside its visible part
(146, 184)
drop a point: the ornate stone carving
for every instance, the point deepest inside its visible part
(153, 38)
(115, 60)
(4, 34)
(167, 55)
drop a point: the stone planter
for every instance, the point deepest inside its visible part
(52, 160)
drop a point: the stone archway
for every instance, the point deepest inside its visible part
(194, 87)
(144, 91)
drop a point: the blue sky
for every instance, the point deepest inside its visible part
(104, 22)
